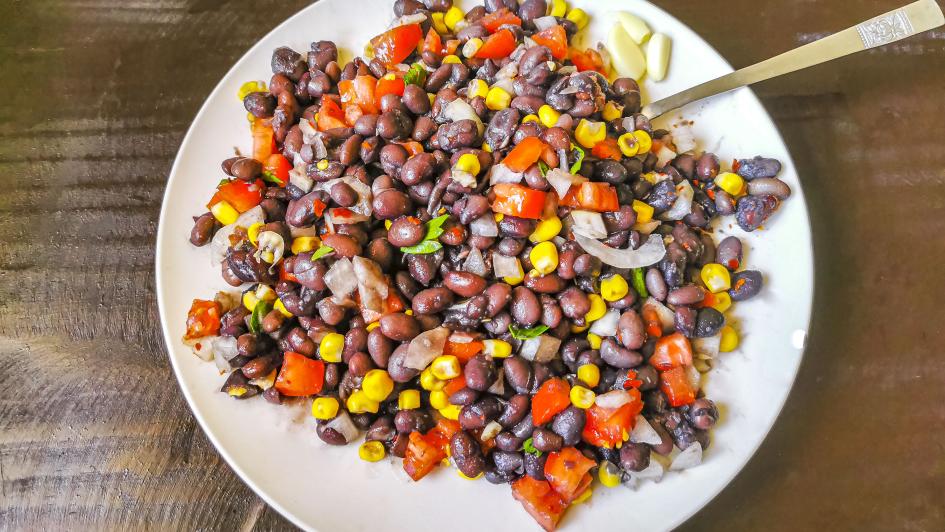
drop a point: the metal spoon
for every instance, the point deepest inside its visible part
(893, 26)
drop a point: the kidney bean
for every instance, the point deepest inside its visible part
(395, 365)
(499, 294)
(406, 232)
(399, 326)
(506, 441)
(515, 410)
(630, 330)
(414, 420)
(458, 134)
(466, 454)
(685, 295)
(574, 303)
(359, 364)
(684, 320)
(432, 300)
(390, 204)
(476, 415)
(729, 253)
(518, 373)
(526, 309)
(535, 466)
(568, 424)
(617, 356)
(502, 128)
(634, 456)
(758, 167)
(769, 186)
(546, 441)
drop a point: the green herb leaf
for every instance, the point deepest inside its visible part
(321, 252)
(259, 312)
(522, 333)
(543, 168)
(638, 282)
(530, 449)
(435, 227)
(269, 177)
(424, 248)
(576, 167)
(417, 75)
(224, 181)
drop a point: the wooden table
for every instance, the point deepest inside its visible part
(94, 433)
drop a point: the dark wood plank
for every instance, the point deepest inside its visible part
(94, 433)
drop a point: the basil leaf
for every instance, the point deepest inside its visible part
(522, 333)
(417, 75)
(638, 282)
(530, 449)
(321, 252)
(543, 168)
(259, 312)
(576, 167)
(435, 227)
(269, 177)
(424, 248)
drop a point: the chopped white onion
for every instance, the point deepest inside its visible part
(345, 216)
(498, 387)
(463, 337)
(707, 347)
(202, 347)
(221, 240)
(643, 432)
(690, 457)
(683, 138)
(343, 424)
(607, 324)
(340, 278)
(505, 84)
(484, 226)
(570, 89)
(543, 23)
(604, 58)
(475, 263)
(459, 109)
(300, 179)
(613, 399)
(499, 173)
(666, 316)
(509, 71)
(405, 20)
(505, 266)
(224, 350)
(425, 347)
(694, 377)
(653, 472)
(365, 196)
(296, 232)
(543, 348)
(651, 252)
(490, 431)
(372, 287)
(589, 224)
(308, 131)
(463, 178)
(664, 155)
(562, 181)
(683, 204)
(270, 242)
(265, 382)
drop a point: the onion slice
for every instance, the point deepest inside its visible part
(589, 224)
(562, 181)
(343, 424)
(221, 240)
(607, 324)
(543, 348)
(543, 23)
(505, 266)
(459, 109)
(690, 457)
(499, 173)
(651, 252)
(683, 204)
(425, 347)
(613, 399)
(484, 225)
(643, 432)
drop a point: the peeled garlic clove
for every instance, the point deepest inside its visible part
(634, 26)
(625, 56)
(657, 56)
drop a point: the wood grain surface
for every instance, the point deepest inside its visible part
(95, 97)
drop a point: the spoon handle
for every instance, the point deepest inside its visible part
(893, 26)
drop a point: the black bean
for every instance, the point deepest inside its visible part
(662, 196)
(466, 454)
(499, 294)
(574, 303)
(477, 415)
(501, 128)
(587, 265)
(707, 167)
(546, 440)
(526, 309)
(535, 465)
(480, 372)
(634, 456)
(246, 169)
(399, 326)
(758, 167)
(394, 124)
(568, 424)
(752, 211)
(458, 134)
(507, 441)
(329, 435)
(416, 420)
(515, 410)
(515, 227)
(204, 227)
(260, 104)
(709, 322)
(685, 295)
(618, 356)
(518, 373)
(395, 365)
(729, 253)
(423, 128)
(769, 185)
(390, 204)
(406, 231)
(509, 462)
(465, 397)
(684, 319)
(745, 285)
(423, 268)
(630, 330)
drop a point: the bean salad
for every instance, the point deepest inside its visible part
(468, 244)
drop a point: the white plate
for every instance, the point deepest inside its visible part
(275, 450)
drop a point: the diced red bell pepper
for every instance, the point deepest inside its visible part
(424, 453)
(395, 45)
(330, 115)
(387, 86)
(607, 427)
(454, 385)
(352, 113)
(672, 351)
(278, 167)
(413, 147)
(433, 43)
(524, 154)
(492, 21)
(285, 275)
(360, 91)
(241, 195)
(589, 59)
(565, 471)
(607, 149)
(203, 319)
(498, 45)
(543, 503)
(592, 196)
(552, 397)
(517, 200)
(651, 318)
(264, 141)
(556, 39)
(300, 376)
(675, 384)
(450, 46)
(463, 351)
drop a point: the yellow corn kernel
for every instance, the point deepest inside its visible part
(590, 134)
(322, 164)
(583, 497)
(497, 348)
(250, 118)
(644, 211)
(250, 87)
(452, 17)
(390, 77)
(445, 367)
(428, 382)
(451, 59)
(729, 339)
(546, 230)
(224, 212)
(544, 257)
(612, 111)
(359, 403)
(499, 216)
(579, 17)
(387, 224)
(451, 412)
(644, 140)
(468, 162)
(304, 244)
(730, 182)
(581, 397)
(716, 277)
(325, 407)
(598, 308)
(558, 8)
(628, 144)
(477, 88)
(237, 391)
(471, 47)
(408, 400)
(409, 312)
(722, 301)
(439, 400)
(614, 288)
(373, 325)
(438, 23)
(650, 177)
(530, 118)
(280, 306)
(252, 232)
(608, 474)
(264, 293)
(377, 384)
(498, 99)
(589, 374)
(250, 300)
(329, 349)
(548, 115)
(578, 329)
(594, 340)
(513, 281)
(477, 477)
(486, 147)
(372, 451)
(431, 97)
